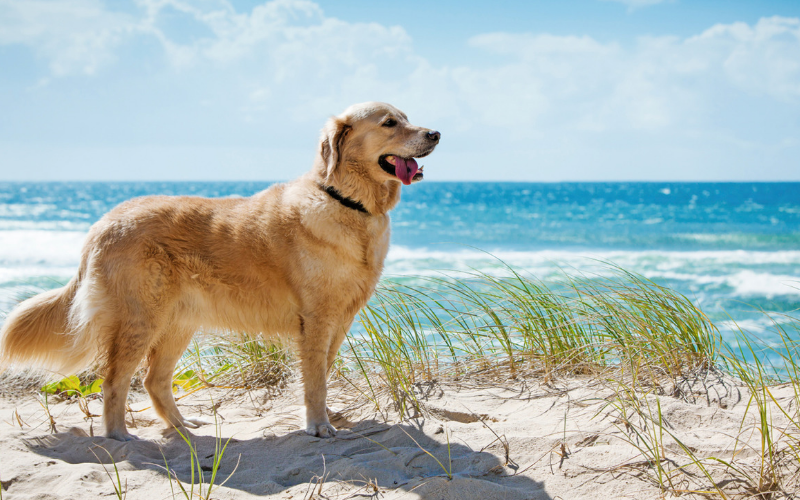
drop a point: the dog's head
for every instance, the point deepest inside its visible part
(374, 141)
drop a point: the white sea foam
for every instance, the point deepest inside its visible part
(662, 260)
(23, 210)
(747, 283)
(26, 273)
(722, 256)
(751, 325)
(40, 249)
(743, 273)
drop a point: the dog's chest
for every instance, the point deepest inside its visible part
(361, 255)
(376, 245)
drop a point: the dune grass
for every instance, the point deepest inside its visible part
(642, 338)
(233, 360)
(504, 326)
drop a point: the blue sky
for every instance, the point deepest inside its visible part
(540, 91)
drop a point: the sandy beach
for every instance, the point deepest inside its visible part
(512, 439)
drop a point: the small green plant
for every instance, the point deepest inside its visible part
(71, 386)
(186, 380)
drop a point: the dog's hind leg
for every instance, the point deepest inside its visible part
(162, 360)
(128, 346)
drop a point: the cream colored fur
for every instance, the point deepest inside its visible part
(290, 260)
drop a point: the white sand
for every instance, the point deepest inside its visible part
(274, 458)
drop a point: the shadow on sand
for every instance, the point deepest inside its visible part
(393, 457)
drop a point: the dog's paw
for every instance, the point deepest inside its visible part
(321, 430)
(194, 423)
(121, 436)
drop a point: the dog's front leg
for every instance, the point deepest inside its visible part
(315, 342)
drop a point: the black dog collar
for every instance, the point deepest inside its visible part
(336, 195)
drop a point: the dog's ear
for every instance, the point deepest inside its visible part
(332, 145)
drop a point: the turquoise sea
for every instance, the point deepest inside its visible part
(733, 248)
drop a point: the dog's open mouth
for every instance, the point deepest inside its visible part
(405, 169)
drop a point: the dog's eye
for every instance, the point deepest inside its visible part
(391, 122)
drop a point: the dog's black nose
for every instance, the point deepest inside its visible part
(434, 136)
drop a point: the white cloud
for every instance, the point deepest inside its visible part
(287, 58)
(76, 36)
(764, 58)
(284, 42)
(660, 82)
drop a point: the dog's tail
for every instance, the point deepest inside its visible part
(37, 333)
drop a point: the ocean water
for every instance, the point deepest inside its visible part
(733, 248)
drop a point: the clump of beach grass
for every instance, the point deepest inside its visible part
(765, 468)
(763, 367)
(234, 361)
(644, 340)
(487, 325)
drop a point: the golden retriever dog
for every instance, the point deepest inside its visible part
(298, 259)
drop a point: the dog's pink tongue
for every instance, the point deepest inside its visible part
(405, 169)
